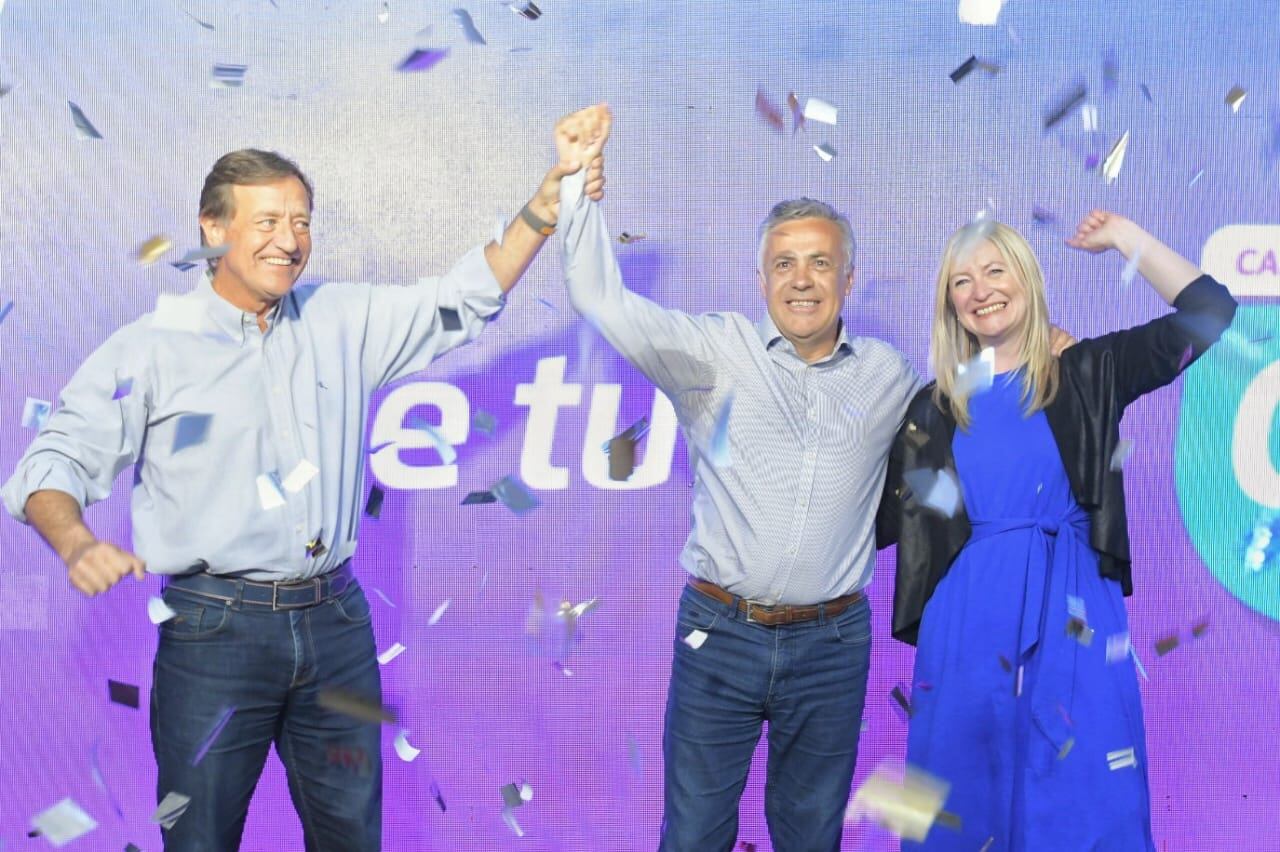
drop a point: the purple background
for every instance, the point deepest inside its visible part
(410, 170)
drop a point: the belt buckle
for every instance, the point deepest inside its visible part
(276, 606)
(751, 619)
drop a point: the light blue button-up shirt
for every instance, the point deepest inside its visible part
(791, 518)
(297, 393)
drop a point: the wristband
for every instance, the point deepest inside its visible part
(533, 221)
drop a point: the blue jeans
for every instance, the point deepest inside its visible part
(808, 681)
(269, 666)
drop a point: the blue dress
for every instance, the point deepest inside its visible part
(1037, 728)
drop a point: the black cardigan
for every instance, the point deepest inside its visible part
(1099, 377)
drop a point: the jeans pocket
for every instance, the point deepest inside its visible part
(697, 612)
(853, 626)
(352, 606)
(198, 617)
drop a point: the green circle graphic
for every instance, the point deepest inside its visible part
(1218, 515)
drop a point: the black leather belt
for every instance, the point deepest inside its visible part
(294, 594)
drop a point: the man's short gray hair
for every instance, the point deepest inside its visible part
(808, 208)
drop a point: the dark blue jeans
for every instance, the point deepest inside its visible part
(270, 666)
(808, 681)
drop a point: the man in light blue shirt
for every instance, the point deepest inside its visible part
(789, 422)
(243, 406)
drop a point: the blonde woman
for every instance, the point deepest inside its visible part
(1025, 697)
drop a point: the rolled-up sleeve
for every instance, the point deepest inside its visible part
(669, 346)
(406, 327)
(89, 437)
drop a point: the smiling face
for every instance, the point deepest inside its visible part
(988, 298)
(804, 280)
(270, 242)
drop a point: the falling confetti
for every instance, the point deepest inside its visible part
(439, 613)
(899, 696)
(527, 10)
(390, 654)
(355, 706)
(298, 478)
(1063, 107)
(270, 492)
(35, 412)
(207, 26)
(373, 506)
(469, 27)
(626, 238)
(1124, 448)
(1121, 759)
(158, 611)
(1115, 159)
(1195, 178)
(977, 375)
(695, 639)
(404, 751)
(1165, 645)
(1235, 97)
(979, 13)
(797, 114)
(175, 313)
(825, 152)
(767, 111)
(227, 76)
(63, 823)
(191, 430)
(449, 320)
(422, 59)
(84, 127)
(906, 802)
(816, 109)
(4, 311)
(515, 495)
(484, 423)
(125, 694)
(964, 69)
(212, 736)
(150, 251)
(171, 809)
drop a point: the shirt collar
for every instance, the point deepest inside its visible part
(230, 319)
(769, 335)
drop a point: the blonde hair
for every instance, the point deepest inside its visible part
(951, 344)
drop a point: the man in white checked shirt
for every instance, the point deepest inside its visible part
(783, 540)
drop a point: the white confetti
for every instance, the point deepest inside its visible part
(696, 639)
(300, 476)
(159, 611)
(816, 109)
(825, 152)
(1124, 448)
(404, 751)
(63, 822)
(390, 654)
(1115, 159)
(435, 616)
(979, 13)
(269, 492)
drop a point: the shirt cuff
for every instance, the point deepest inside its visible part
(40, 475)
(478, 289)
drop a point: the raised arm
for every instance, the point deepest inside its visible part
(1167, 271)
(1151, 355)
(673, 349)
(87, 440)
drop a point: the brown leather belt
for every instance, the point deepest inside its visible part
(772, 616)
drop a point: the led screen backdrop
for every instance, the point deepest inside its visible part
(411, 169)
